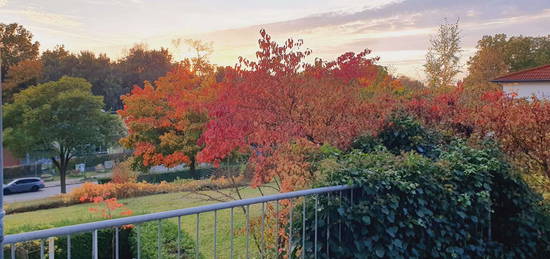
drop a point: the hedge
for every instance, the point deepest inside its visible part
(168, 177)
(81, 244)
(466, 203)
(14, 172)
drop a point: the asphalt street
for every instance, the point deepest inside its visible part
(43, 193)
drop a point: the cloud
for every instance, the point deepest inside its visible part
(50, 18)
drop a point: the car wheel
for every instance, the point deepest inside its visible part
(34, 188)
(7, 191)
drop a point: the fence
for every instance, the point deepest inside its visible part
(117, 224)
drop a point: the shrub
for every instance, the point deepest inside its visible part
(410, 206)
(169, 235)
(402, 133)
(122, 173)
(166, 177)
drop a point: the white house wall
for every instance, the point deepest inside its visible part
(527, 89)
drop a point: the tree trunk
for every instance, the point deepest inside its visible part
(192, 165)
(62, 169)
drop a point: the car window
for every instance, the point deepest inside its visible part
(21, 182)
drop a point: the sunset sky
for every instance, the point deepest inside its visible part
(397, 31)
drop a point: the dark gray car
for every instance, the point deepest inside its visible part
(30, 184)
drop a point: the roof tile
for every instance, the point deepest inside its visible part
(536, 74)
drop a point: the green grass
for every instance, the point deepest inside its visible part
(42, 219)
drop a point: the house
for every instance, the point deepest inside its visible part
(528, 82)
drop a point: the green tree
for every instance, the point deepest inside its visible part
(59, 118)
(142, 65)
(442, 60)
(17, 45)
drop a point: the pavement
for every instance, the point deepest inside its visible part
(53, 188)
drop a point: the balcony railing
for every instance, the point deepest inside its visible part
(333, 192)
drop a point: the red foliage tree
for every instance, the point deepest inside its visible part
(521, 127)
(280, 101)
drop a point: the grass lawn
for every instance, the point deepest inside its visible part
(42, 219)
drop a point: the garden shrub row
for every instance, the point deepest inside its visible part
(168, 177)
(81, 244)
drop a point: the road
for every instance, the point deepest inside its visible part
(43, 193)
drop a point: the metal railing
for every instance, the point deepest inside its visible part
(117, 224)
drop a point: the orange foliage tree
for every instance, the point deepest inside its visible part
(166, 118)
(280, 102)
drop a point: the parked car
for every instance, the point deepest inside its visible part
(30, 184)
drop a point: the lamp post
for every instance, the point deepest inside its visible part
(2, 212)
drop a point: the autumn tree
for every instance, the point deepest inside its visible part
(60, 119)
(165, 119)
(280, 101)
(521, 128)
(443, 57)
(488, 63)
(17, 45)
(20, 76)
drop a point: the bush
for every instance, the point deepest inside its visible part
(81, 244)
(122, 173)
(402, 133)
(167, 177)
(410, 206)
(169, 235)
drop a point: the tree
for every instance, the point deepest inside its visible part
(442, 60)
(279, 102)
(521, 128)
(17, 45)
(488, 63)
(57, 63)
(500, 54)
(142, 65)
(60, 119)
(20, 76)
(166, 119)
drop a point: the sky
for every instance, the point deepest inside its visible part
(397, 31)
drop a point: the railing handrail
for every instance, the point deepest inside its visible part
(86, 227)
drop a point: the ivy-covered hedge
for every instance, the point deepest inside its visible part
(466, 203)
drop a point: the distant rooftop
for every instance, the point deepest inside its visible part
(536, 74)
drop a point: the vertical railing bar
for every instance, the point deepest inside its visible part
(138, 229)
(197, 248)
(41, 248)
(179, 237)
(304, 228)
(289, 252)
(340, 221)
(12, 248)
(116, 243)
(328, 226)
(315, 242)
(159, 243)
(51, 247)
(247, 231)
(94, 244)
(68, 246)
(215, 232)
(277, 225)
(232, 234)
(262, 229)
(351, 196)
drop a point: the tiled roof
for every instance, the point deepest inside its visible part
(536, 74)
